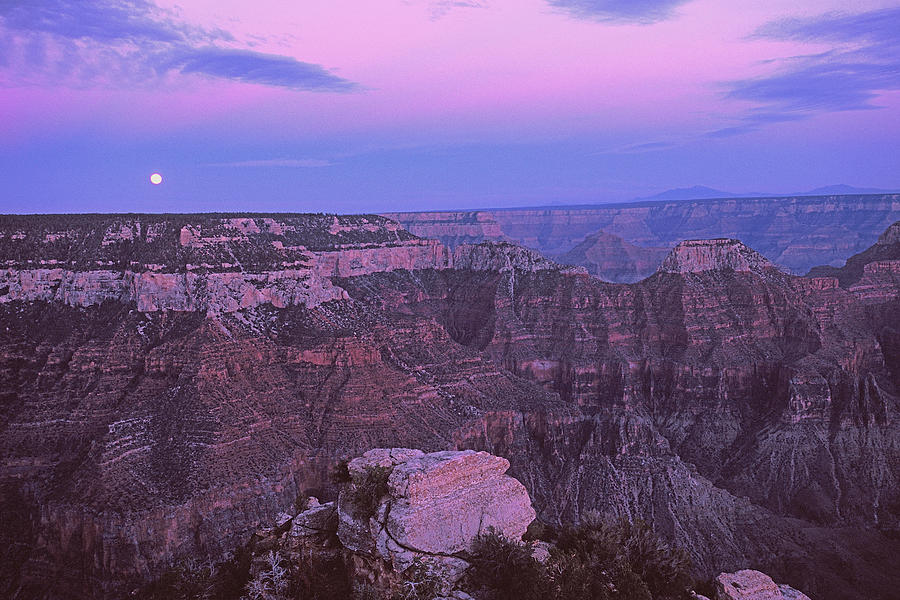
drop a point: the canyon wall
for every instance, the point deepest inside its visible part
(796, 233)
(749, 415)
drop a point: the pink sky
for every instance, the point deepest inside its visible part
(507, 72)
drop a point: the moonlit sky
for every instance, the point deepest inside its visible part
(378, 105)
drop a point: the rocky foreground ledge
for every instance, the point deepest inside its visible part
(404, 517)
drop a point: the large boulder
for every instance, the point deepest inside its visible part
(432, 508)
(441, 501)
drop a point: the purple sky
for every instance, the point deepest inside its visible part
(348, 106)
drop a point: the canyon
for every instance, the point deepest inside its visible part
(795, 232)
(170, 383)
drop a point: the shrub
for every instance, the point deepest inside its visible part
(368, 489)
(538, 530)
(321, 577)
(271, 583)
(185, 581)
(419, 583)
(189, 580)
(365, 591)
(506, 569)
(598, 559)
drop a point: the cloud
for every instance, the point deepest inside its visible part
(306, 163)
(100, 20)
(131, 42)
(439, 8)
(255, 67)
(862, 62)
(624, 11)
(878, 27)
(646, 147)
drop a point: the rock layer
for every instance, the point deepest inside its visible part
(698, 256)
(220, 264)
(795, 232)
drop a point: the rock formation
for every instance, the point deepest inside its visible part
(433, 508)
(505, 258)
(750, 416)
(753, 585)
(872, 275)
(699, 256)
(216, 264)
(794, 232)
(611, 258)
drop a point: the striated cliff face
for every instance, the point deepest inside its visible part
(749, 415)
(219, 264)
(721, 400)
(504, 257)
(452, 228)
(699, 256)
(794, 232)
(871, 274)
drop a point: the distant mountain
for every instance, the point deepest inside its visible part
(701, 192)
(697, 192)
(841, 189)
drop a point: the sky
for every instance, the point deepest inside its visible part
(387, 105)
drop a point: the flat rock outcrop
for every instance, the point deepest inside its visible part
(433, 507)
(753, 585)
(699, 256)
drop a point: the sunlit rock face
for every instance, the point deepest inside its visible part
(434, 506)
(747, 414)
(191, 263)
(699, 256)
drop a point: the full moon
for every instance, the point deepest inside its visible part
(156, 179)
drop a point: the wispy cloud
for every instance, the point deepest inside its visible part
(863, 62)
(129, 20)
(623, 11)
(104, 42)
(255, 67)
(645, 147)
(306, 163)
(439, 8)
